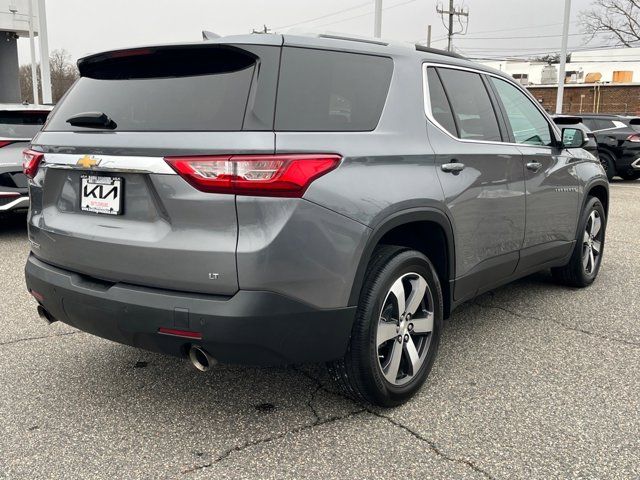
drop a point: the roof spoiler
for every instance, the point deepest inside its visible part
(207, 35)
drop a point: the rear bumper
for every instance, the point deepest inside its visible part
(251, 327)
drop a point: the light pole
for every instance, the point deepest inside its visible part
(45, 72)
(563, 56)
(377, 19)
(32, 48)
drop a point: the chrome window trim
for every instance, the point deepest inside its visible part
(109, 163)
(431, 118)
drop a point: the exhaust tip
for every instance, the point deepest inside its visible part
(201, 359)
(46, 316)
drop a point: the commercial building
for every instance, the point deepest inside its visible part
(596, 81)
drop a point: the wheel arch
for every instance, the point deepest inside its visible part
(600, 190)
(427, 230)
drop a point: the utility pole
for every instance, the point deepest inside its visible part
(563, 56)
(377, 19)
(45, 72)
(452, 12)
(429, 36)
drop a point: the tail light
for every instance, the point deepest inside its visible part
(261, 175)
(634, 137)
(30, 162)
(4, 143)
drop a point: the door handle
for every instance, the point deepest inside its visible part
(534, 166)
(453, 167)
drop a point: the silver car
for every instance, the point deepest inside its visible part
(18, 124)
(273, 199)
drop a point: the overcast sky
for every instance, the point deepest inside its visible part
(496, 27)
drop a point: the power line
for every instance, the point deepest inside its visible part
(513, 29)
(337, 12)
(497, 56)
(523, 36)
(365, 14)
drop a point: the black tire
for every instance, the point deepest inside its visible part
(630, 175)
(575, 273)
(608, 163)
(359, 374)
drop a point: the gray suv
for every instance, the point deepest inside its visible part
(270, 199)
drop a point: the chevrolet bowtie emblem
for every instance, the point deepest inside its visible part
(88, 162)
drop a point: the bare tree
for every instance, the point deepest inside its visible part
(63, 74)
(618, 20)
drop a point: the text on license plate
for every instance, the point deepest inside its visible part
(101, 194)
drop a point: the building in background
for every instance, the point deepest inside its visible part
(22, 18)
(596, 81)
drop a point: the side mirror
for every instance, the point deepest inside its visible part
(573, 138)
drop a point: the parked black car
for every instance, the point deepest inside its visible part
(618, 140)
(591, 145)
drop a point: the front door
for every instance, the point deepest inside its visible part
(552, 187)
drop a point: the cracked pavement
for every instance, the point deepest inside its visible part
(532, 380)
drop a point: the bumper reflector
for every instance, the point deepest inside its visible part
(180, 333)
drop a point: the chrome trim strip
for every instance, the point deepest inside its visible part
(636, 164)
(429, 114)
(17, 203)
(109, 163)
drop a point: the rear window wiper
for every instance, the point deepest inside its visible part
(92, 120)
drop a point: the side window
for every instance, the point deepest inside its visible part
(527, 122)
(440, 108)
(472, 109)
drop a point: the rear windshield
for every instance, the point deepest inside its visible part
(331, 91)
(180, 90)
(21, 124)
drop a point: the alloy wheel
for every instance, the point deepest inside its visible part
(405, 328)
(592, 243)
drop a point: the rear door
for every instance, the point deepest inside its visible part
(481, 176)
(107, 205)
(551, 182)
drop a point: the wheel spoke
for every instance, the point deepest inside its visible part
(398, 291)
(386, 331)
(423, 325)
(596, 245)
(592, 261)
(418, 289)
(391, 373)
(412, 353)
(585, 238)
(585, 258)
(595, 224)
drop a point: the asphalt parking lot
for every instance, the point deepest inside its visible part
(532, 381)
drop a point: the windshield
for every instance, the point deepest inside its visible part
(21, 124)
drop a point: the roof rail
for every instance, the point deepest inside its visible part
(436, 51)
(353, 39)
